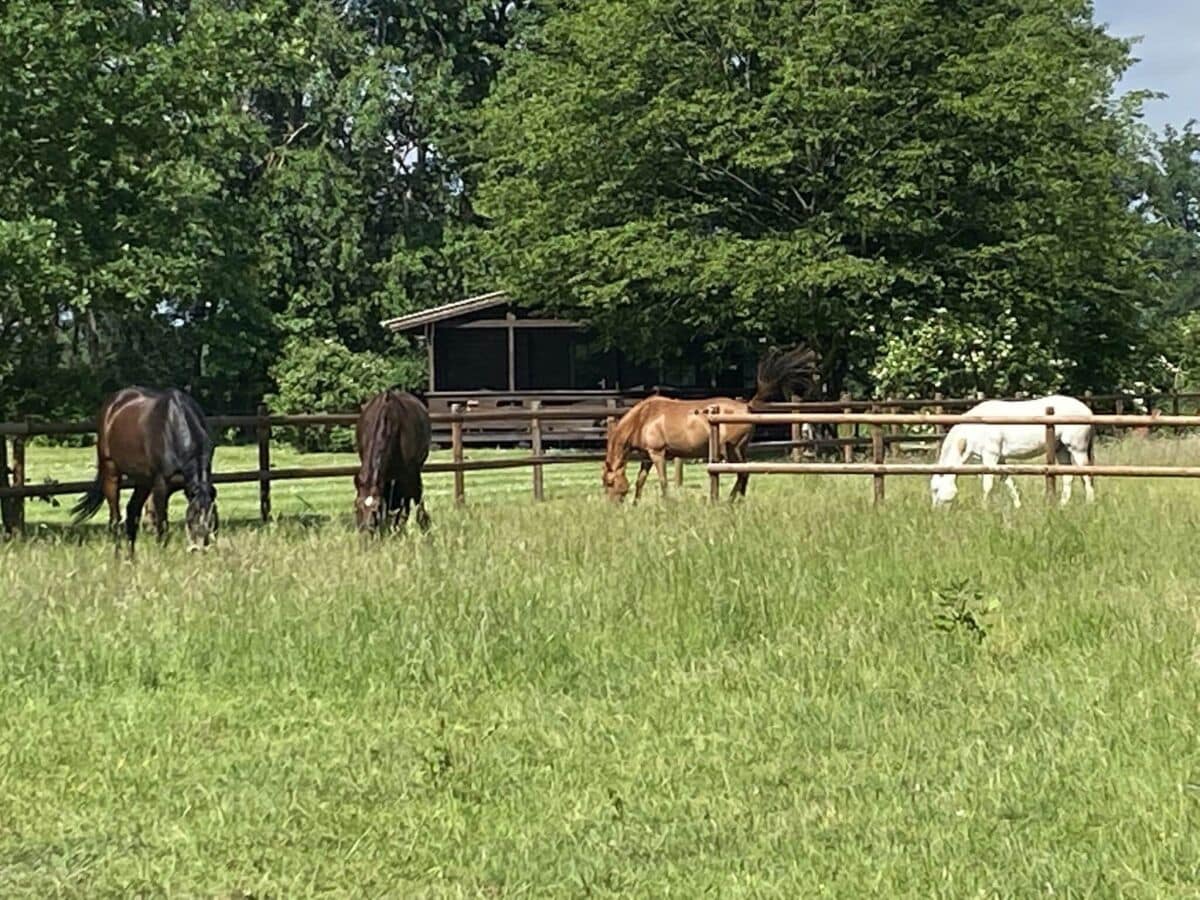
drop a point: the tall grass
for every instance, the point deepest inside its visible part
(573, 698)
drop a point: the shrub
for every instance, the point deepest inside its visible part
(324, 376)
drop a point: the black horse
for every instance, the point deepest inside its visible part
(392, 438)
(156, 439)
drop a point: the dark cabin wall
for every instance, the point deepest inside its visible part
(471, 359)
(545, 359)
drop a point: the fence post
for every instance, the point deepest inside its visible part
(848, 447)
(264, 462)
(938, 409)
(611, 419)
(1051, 455)
(1175, 403)
(1119, 405)
(535, 445)
(714, 456)
(893, 430)
(877, 456)
(456, 453)
(6, 503)
(797, 436)
(18, 478)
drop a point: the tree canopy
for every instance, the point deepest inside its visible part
(228, 196)
(208, 193)
(926, 190)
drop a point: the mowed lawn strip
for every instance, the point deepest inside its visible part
(799, 696)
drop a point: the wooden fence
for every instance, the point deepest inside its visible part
(16, 486)
(879, 468)
(537, 425)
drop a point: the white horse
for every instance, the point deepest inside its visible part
(994, 444)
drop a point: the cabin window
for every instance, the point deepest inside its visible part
(471, 359)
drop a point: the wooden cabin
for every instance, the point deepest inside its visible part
(489, 343)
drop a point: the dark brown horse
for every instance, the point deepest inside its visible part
(392, 439)
(664, 429)
(155, 439)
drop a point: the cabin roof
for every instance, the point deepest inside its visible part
(446, 311)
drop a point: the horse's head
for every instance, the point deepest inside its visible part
(202, 519)
(616, 485)
(944, 489)
(368, 505)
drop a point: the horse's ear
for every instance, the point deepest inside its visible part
(962, 445)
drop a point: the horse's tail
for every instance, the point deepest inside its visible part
(90, 502)
(781, 372)
(1091, 446)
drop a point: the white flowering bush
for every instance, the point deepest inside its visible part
(958, 358)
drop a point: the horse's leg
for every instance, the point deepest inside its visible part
(994, 459)
(110, 483)
(737, 453)
(641, 479)
(419, 499)
(159, 505)
(133, 514)
(989, 481)
(1063, 456)
(397, 505)
(1082, 458)
(659, 459)
(1012, 491)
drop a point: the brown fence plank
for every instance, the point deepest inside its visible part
(6, 502)
(935, 469)
(264, 463)
(17, 514)
(535, 445)
(456, 451)
(1051, 441)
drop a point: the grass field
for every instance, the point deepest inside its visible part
(573, 699)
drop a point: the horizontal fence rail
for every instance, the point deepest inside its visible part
(935, 419)
(878, 468)
(935, 469)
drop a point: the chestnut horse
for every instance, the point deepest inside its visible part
(392, 438)
(665, 429)
(153, 438)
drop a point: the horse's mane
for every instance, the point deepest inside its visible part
(377, 440)
(618, 438)
(185, 435)
(780, 372)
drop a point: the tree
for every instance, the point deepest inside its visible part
(927, 191)
(120, 222)
(191, 188)
(1167, 194)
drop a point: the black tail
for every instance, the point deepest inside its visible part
(88, 503)
(782, 372)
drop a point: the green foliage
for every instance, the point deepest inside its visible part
(324, 376)
(911, 185)
(962, 610)
(925, 191)
(188, 185)
(1167, 193)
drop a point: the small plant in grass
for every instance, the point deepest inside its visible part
(962, 609)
